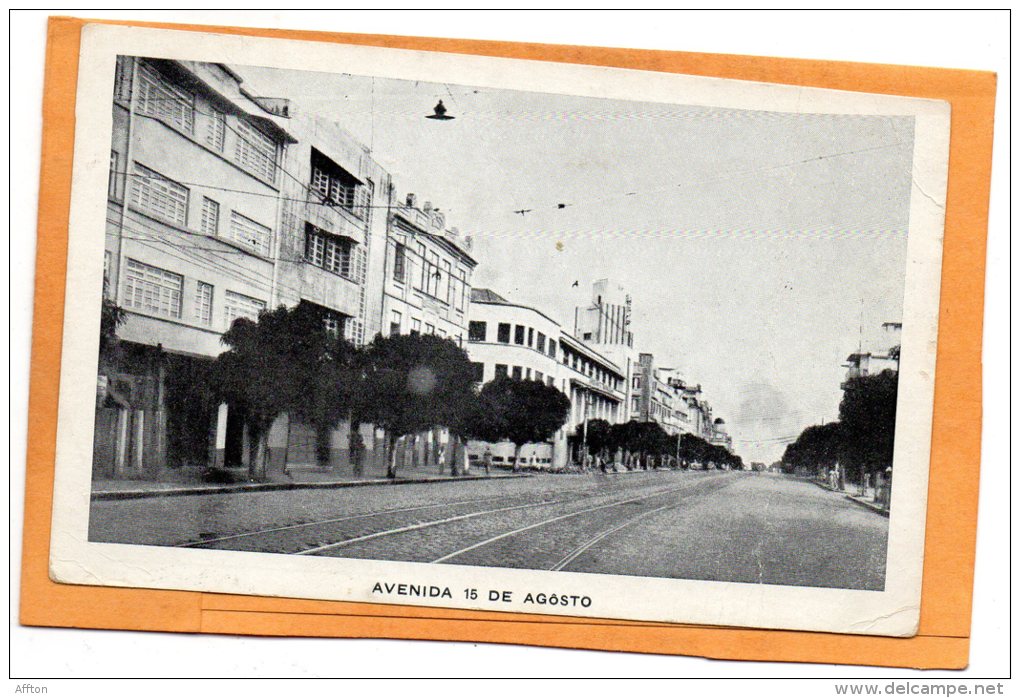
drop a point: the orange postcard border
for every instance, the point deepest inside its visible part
(943, 639)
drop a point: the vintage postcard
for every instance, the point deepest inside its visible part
(378, 325)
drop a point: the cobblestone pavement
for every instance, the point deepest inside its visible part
(692, 525)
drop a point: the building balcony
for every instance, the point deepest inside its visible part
(336, 220)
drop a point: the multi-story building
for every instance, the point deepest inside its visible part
(596, 387)
(654, 396)
(720, 435)
(425, 289)
(428, 272)
(867, 363)
(193, 209)
(520, 342)
(605, 323)
(332, 252)
(507, 339)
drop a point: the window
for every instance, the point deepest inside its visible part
(448, 285)
(251, 234)
(527, 373)
(517, 373)
(203, 303)
(113, 186)
(552, 348)
(159, 196)
(152, 290)
(477, 371)
(239, 305)
(587, 336)
(216, 130)
(476, 331)
(430, 329)
(333, 322)
(170, 104)
(635, 404)
(433, 277)
(337, 186)
(501, 370)
(422, 283)
(540, 343)
(210, 222)
(332, 253)
(539, 377)
(415, 326)
(551, 381)
(399, 263)
(364, 195)
(519, 334)
(255, 151)
(503, 333)
(636, 383)
(462, 289)
(395, 319)
(531, 336)
(442, 332)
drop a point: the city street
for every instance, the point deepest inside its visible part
(715, 525)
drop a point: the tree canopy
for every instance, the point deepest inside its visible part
(272, 366)
(519, 411)
(862, 440)
(414, 383)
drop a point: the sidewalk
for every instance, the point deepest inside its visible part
(299, 479)
(866, 503)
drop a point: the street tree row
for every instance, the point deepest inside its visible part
(288, 362)
(861, 441)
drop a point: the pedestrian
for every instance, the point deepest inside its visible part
(487, 459)
(357, 453)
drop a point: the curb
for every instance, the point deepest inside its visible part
(868, 505)
(860, 502)
(107, 495)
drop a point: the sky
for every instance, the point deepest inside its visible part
(760, 248)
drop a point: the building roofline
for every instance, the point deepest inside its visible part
(518, 305)
(585, 347)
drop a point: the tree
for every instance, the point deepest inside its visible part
(271, 367)
(868, 417)
(641, 439)
(816, 449)
(519, 411)
(112, 316)
(600, 437)
(334, 393)
(414, 383)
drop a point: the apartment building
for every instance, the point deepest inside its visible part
(193, 209)
(331, 254)
(507, 339)
(428, 268)
(425, 289)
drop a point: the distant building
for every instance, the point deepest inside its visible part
(720, 435)
(605, 324)
(861, 363)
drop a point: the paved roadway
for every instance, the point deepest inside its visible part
(722, 526)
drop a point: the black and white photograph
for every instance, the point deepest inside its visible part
(479, 333)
